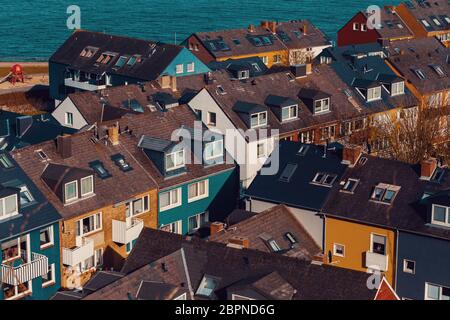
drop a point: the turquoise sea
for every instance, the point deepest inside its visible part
(32, 30)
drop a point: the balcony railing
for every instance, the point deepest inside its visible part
(123, 233)
(376, 261)
(83, 251)
(88, 85)
(14, 275)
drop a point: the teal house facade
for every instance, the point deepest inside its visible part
(91, 61)
(29, 237)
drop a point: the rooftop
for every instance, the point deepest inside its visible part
(299, 165)
(130, 57)
(433, 15)
(277, 224)
(175, 261)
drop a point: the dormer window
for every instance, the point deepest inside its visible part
(374, 94)
(289, 113)
(71, 191)
(5, 162)
(258, 119)
(175, 160)
(9, 206)
(213, 150)
(322, 105)
(397, 88)
(385, 193)
(440, 215)
(87, 186)
(25, 196)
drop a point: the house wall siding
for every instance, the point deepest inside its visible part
(432, 257)
(347, 36)
(68, 106)
(185, 57)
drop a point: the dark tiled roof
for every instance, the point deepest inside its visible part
(273, 223)
(408, 55)
(157, 56)
(115, 99)
(391, 26)
(100, 280)
(405, 213)
(230, 266)
(299, 192)
(259, 89)
(361, 64)
(240, 64)
(37, 129)
(37, 214)
(422, 9)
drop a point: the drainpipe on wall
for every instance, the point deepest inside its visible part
(396, 259)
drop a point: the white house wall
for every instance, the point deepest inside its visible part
(68, 106)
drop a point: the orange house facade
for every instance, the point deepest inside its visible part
(360, 247)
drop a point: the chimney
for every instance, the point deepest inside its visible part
(273, 26)
(22, 125)
(351, 154)
(216, 227)
(305, 29)
(427, 168)
(251, 28)
(301, 70)
(113, 133)
(265, 24)
(64, 146)
(240, 241)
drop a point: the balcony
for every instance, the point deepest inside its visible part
(14, 275)
(376, 261)
(123, 232)
(88, 85)
(83, 250)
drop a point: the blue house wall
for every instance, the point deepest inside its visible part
(432, 258)
(53, 255)
(185, 57)
(223, 188)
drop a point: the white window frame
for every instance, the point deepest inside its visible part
(355, 26)
(335, 253)
(174, 204)
(264, 153)
(199, 196)
(399, 88)
(182, 297)
(52, 281)
(199, 221)
(83, 195)
(373, 94)
(170, 226)
(25, 190)
(291, 112)
(434, 285)
(130, 205)
(67, 200)
(175, 165)
(179, 68)
(3, 214)
(19, 250)
(51, 243)
(191, 67)
(363, 27)
(214, 156)
(258, 116)
(67, 118)
(265, 60)
(447, 216)
(385, 243)
(234, 296)
(405, 266)
(323, 107)
(98, 220)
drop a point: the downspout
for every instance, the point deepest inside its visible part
(396, 259)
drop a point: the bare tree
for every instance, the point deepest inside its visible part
(416, 134)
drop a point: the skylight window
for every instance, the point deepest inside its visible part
(120, 161)
(303, 150)
(88, 52)
(385, 193)
(42, 155)
(288, 172)
(5, 162)
(100, 169)
(436, 21)
(438, 69)
(121, 62)
(324, 179)
(256, 67)
(419, 73)
(221, 90)
(438, 175)
(133, 60)
(207, 286)
(290, 237)
(350, 185)
(425, 23)
(297, 33)
(237, 42)
(273, 245)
